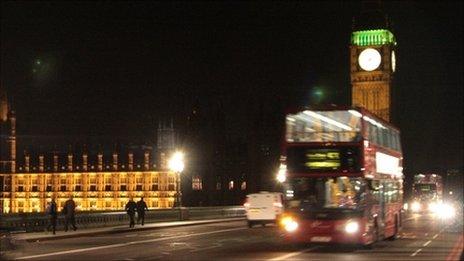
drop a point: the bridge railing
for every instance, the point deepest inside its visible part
(34, 222)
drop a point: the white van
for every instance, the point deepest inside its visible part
(263, 207)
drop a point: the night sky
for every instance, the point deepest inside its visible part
(116, 69)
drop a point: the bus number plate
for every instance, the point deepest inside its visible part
(321, 239)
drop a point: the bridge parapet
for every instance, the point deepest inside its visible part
(34, 222)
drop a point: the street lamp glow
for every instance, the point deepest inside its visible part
(176, 163)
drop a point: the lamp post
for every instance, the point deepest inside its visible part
(176, 164)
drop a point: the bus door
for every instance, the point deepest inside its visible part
(382, 197)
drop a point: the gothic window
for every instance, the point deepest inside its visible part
(197, 183)
(154, 185)
(20, 185)
(231, 185)
(107, 183)
(171, 185)
(35, 184)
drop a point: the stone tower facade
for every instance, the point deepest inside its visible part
(372, 60)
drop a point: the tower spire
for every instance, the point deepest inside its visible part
(370, 17)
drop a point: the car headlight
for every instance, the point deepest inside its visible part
(352, 227)
(446, 211)
(289, 224)
(415, 206)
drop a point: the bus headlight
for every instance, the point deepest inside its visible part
(289, 224)
(352, 227)
(415, 206)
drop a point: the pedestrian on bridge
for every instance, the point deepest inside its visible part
(52, 214)
(131, 207)
(69, 211)
(141, 207)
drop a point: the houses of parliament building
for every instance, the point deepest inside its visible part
(98, 180)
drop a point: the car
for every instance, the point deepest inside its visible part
(263, 207)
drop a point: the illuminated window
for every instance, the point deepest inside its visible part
(218, 185)
(35, 183)
(154, 186)
(49, 183)
(20, 185)
(231, 185)
(108, 183)
(196, 183)
(139, 181)
(93, 183)
(123, 182)
(243, 186)
(171, 185)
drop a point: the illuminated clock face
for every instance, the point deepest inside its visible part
(393, 61)
(369, 59)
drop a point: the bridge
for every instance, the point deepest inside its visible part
(222, 233)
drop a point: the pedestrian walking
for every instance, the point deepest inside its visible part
(141, 207)
(131, 207)
(52, 213)
(69, 211)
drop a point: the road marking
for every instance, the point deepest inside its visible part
(73, 251)
(284, 257)
(426, 243)
(205, 248)
(417, 251)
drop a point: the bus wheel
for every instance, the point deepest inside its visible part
(250, 224)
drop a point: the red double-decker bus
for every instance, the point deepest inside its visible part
(341, 170)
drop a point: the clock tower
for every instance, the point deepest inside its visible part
(372, 60)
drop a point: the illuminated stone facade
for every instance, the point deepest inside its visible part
(30, 192)
(371, 88)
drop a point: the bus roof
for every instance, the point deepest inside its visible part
(332, 107)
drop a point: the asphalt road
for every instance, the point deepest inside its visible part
(422, 238)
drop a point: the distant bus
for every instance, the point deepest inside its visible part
(342, 176)
(427, 193)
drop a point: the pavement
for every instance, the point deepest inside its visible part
(42, 236)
